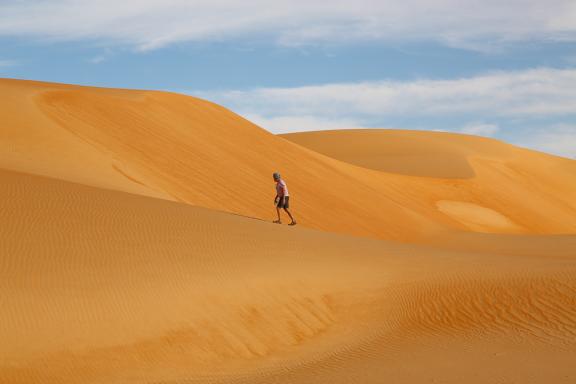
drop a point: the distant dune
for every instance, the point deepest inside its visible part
(413, 153)
(137, 247)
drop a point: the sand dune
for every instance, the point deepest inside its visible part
(136, 246)
(104, 286)
(185, 149)
(485, 181)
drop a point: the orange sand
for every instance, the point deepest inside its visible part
(116, 267)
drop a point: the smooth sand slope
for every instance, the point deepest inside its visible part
(101, 286)
(185, 149)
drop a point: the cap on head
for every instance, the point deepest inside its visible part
(276, 176)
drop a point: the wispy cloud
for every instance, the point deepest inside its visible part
(8, 63)
(480, 129)
(486, 105)
(287, 124)
(105, 55)
(559, 139)
(530, 93)
(150, 24)
(97, 59)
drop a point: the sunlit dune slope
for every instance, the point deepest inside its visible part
(185, 149)
(100, 286)
(469, 171)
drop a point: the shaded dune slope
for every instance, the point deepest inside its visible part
(185, 149)
(105, 286)
(412, 153)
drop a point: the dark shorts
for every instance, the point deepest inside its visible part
(286, 202)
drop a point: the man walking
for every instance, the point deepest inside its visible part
(282, 199)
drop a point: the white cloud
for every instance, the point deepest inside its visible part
(503, 98)
(481, 129)
(287, 124)
(97, 59)
(103, 56)
(559, 139)
(477, 129)
(530, 93)
(149, 24)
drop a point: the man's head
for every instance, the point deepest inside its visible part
(276, 176)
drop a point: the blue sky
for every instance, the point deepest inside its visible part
(501, 70)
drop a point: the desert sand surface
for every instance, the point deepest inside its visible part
(136, 247)
(188, 150)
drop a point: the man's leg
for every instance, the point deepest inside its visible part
(278, 213)
(289, 214)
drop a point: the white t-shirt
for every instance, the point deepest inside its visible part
(281, 188)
